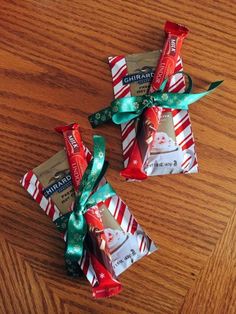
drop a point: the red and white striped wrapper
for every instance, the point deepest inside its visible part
(118, 209)
(181, 118)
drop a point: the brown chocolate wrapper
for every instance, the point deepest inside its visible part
(54, 175)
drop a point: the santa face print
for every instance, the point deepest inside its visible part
(166, 156)
(163, 143)
(115, 238)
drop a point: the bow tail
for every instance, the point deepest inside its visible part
(75, 228)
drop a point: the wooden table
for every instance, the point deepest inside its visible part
(53, 70)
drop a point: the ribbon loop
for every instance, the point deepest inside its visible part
(125, 109)
(106, 191)
(128, 108)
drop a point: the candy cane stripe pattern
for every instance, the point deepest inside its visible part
(35, 188)
(127, 138)
(182, 123)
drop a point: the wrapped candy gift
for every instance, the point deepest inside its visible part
(173, 149)
(157, 139)
(102, 236)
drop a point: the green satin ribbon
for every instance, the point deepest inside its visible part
(88, 195)
(125, 109)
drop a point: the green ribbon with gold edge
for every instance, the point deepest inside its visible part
(88, 195)
(125, 109)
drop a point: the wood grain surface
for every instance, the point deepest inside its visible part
(53, 70)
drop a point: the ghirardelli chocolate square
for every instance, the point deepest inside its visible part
(54, 174)
(141, 68)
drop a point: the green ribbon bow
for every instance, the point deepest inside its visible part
(88, 195)
(125, 109)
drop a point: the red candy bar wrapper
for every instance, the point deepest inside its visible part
(96, 241)
(145, 135)
(75, 152)
(107, 284)
(175, 35)
(50, 185)
(173, 148)
(150, 119)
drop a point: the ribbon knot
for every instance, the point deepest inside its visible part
(147, 102)
(123, 110)
(73, 224)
